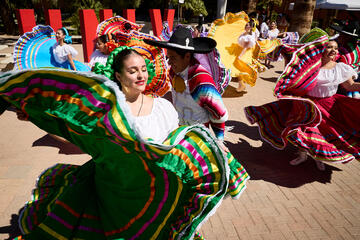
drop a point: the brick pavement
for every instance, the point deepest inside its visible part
(281, 201)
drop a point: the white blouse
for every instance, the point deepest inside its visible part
(264, 29)
(328, 80)
(99, 57)
(61, 52)
(190, 113)
(247, 40)
(162, 120)
(272, 34)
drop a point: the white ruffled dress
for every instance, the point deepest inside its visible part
(61, 52)
(99, 57)
(247, 40)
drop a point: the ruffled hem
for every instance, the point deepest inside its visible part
(302, 123)
(34, 50)
(172, 187)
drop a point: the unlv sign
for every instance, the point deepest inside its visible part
(89, 22)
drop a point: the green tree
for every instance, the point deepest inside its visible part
(251, 6)
(268, 5)
(122, 4)
(196, 6)
(7, 17)
(74, 19)
(8, 8)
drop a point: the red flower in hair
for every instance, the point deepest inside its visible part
(111, 45)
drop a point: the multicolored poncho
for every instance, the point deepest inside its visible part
(204, 92)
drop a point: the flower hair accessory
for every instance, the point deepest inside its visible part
(111, 44)
(255, 23)
(109, 71)
(67, 38)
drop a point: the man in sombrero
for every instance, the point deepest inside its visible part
(194, 93)
(349, 48)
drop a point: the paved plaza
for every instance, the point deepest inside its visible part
(280, 202)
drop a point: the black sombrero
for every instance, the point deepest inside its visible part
(351, 28)
(181, 39)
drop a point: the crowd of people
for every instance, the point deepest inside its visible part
(160, 168)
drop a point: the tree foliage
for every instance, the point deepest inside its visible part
(196, 6)
(121, 4)
(70, 9)
(267, 3)
(74, 20)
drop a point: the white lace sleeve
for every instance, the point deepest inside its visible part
(246, 41)
(70, 50)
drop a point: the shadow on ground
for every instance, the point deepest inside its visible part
(8, 40)
(13, 229)
(272, 165)
(270, 79)
(64, 147)
(230, 92)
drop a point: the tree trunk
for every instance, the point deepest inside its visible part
(302, 16)
(251, 6)
(8, 19)
(221, 8)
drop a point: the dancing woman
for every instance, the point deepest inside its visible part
(147, 178)
(309, 114)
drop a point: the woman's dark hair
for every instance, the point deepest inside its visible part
(127, 26)
(118, 63)
(119, 59)
(252, 24)
(252, 15)
(65, 32)
(105, 38)
(115, 64)
(62, 30)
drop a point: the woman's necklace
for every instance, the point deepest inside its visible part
(142, 101)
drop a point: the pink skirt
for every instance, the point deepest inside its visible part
(328, 128)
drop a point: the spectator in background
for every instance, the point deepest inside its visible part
(283, 23)
(264, 28)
